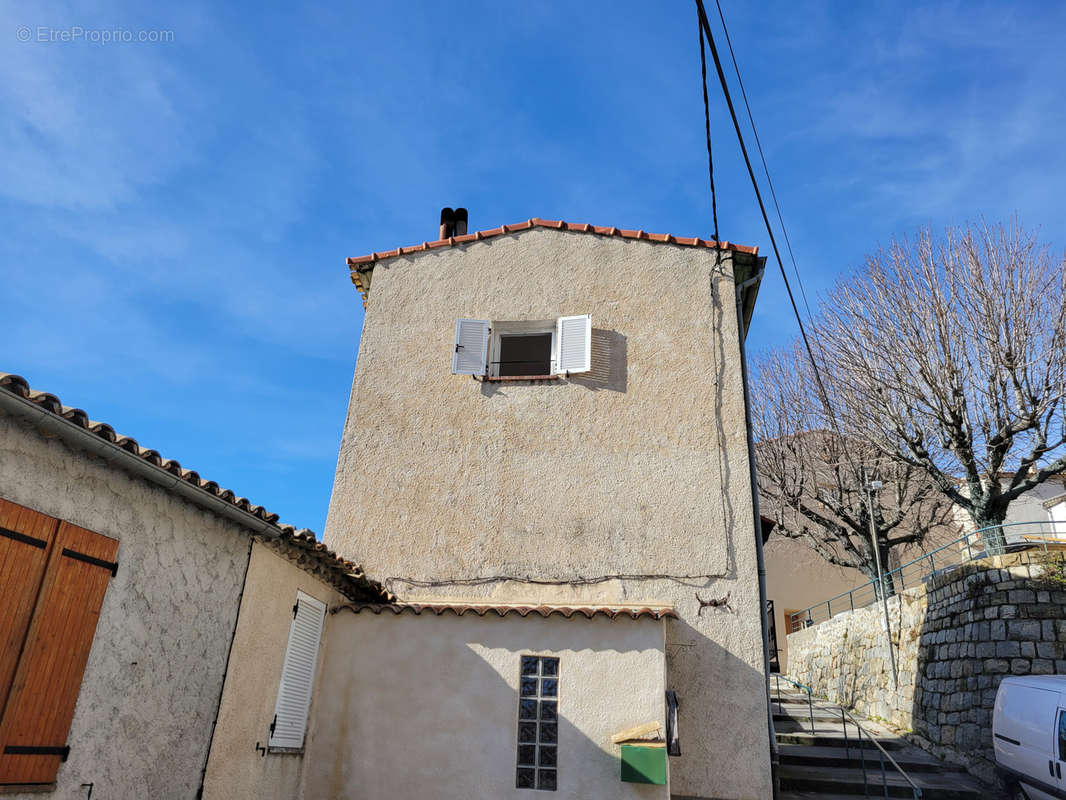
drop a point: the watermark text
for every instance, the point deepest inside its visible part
(48, 34)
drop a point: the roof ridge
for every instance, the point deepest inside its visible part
(362, 264)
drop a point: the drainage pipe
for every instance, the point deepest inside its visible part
(775, 757)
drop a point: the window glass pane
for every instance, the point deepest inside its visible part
(547, 756)
(529, 665)
(527, 732)
(550, 666)
(527, 755)
(549, 687)
(1062, 735)
(548, 710)
(526, 355)
(525, 778)
(549, 732)
(529, 687)
(546, 779)
(527, 709)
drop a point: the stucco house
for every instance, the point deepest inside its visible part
(1036, 517)
(121, 578)
(546, 460)
(547, 466)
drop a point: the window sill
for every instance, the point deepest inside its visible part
(285, 751)
(511, 378)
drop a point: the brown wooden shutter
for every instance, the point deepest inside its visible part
(25, 543)
(40, 706)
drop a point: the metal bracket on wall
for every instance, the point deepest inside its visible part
(96, 562)
(21, 537)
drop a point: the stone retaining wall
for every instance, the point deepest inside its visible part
(955, 638)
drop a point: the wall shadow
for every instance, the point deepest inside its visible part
(609, 372)
(719, 695)
(609, 363)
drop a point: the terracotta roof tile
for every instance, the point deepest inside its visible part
(345, 575)
(543, 610)
(359, 265)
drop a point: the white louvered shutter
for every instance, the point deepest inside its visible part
(575, 344)
(298, 673)
(471, 347)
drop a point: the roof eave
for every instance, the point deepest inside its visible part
(748, 271)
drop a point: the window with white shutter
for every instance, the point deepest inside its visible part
(471, 347)
(575, 344)
(523, 349)
(298, 673)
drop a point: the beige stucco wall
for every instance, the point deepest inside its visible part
(797, 578)
(151, 686)
(427, 707)
(236, 769)
(637, 468)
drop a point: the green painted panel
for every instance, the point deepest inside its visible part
(643, 764)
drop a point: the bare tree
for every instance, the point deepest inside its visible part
(950, 355)
(812, 480)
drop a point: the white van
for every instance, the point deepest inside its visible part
(1029, 735)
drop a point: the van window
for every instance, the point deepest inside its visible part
(1062, 735)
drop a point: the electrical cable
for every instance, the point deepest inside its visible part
(765, 169)
(706, 27)
(707, 129)
(578, 581)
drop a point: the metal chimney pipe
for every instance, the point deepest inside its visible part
(447, 223)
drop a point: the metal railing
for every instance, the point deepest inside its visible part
(1017, 536)
(883, 755)
(807, 689)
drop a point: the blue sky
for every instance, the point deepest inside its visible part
(176, 214)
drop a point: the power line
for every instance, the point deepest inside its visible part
(765, 169)
(707, 129)
(706, 27)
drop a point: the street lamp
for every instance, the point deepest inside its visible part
(871, 487)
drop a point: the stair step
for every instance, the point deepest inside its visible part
(934, 785)
(805, 713)
(911, 758)
(824, 727)
(832, 737)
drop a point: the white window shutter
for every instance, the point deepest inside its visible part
(471, 347)
(575, 343)
(298, 673)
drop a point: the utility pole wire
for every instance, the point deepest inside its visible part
(706, 26)
(707, 129)
(765, 169)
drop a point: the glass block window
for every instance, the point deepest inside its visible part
(538, 723)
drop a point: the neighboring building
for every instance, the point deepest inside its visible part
(797, 578)
(121, 574)
(597, 458)
(1036, 517)
(1056, 510)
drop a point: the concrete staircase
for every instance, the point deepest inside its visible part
(826, 763)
